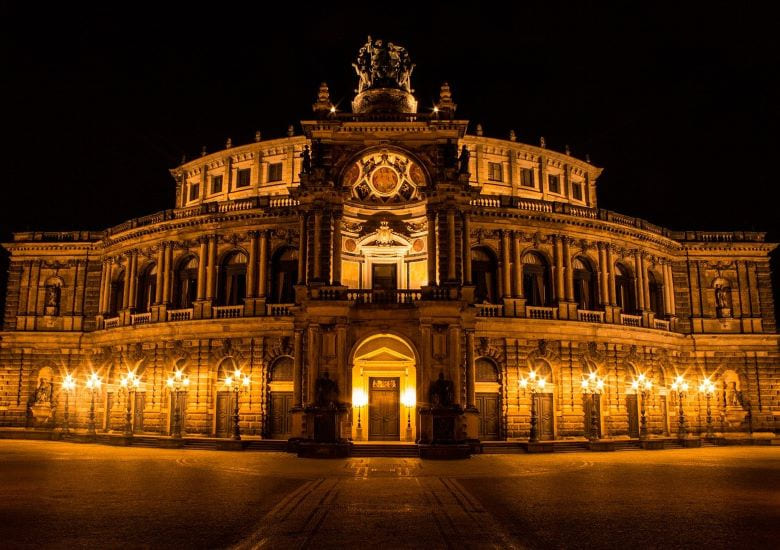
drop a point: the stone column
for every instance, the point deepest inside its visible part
(471, 378)
(518, 265)
(166, 291)
(665, 274)
(611, 276)
(160, 269)
(251, 267)
(507, 265)
(202, 260)
(669, 285)
(211, 270)
(133, 282)
(603, 275)
(262, 268)
(645, 280)
(568, 265)
(297, 367)
(558, 258)
(336, 249)
(126, 289)
(431, 248)
(467, 275)
(639, 280)
(317, 245)
(102, 300)
(302, 249)
(451, 266)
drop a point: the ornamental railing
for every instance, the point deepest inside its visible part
(397, 296)
(662, 324)
(490, 310)
(113, 322)
(140, 318)
(278, 310)
(539, 312)
(228, 312)
(179, 314)
(630, 320)
(589, 316)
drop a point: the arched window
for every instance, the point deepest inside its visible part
(232, 280)
(282, 370)
(185, 283)
(484, 272)
(656, 295)
(117, 293)
(624, 288)
(485, 370)
(584, 284)
(284, 275)
(536, 280)
(147, 287)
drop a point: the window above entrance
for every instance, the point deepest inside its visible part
(384, 177)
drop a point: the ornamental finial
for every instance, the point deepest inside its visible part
(512, 135)
(323, 104)
(445, 103)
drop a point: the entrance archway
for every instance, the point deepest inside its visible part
(384, 369)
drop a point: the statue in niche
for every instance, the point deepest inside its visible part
(722, 299)
(463, 160)
(43, 392)
(52, 300)
(326, 392)
(306, 160)
(442, 393)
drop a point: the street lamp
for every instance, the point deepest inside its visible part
(129, 383)
(593, 385)
(535, 384)
(68, 384)
(238, 382)
(359, 400)
(409, 400)
(642, 385)
(93, 385)
(177, 384)
(708, 388)
(680, 386)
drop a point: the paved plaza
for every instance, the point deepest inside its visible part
(79, 495)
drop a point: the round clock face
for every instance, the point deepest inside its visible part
(384, 177)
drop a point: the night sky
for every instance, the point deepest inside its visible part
(678, 104)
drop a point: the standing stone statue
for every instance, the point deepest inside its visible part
(464, 160)
(306, 162)
(442, 394)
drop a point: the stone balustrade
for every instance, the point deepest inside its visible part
(140, 318)
(589, 316)
(630, 320)
(228, 312)
(179, 314)
(540, 312)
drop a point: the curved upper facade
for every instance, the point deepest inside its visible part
(388, 225)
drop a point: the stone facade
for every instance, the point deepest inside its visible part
(373, 249)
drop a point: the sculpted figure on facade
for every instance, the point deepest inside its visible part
(382, 65)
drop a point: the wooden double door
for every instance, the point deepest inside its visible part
(384, 409)
(592, 401)
(488, 405)
(279, 416)
(632, 406)
(224, 419)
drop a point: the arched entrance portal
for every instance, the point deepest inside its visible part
(384, 370)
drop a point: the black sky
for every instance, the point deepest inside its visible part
(679, 103)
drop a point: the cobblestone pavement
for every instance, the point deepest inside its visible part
(66, 495)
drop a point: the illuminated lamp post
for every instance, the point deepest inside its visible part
(409, 400)
(708, 388)
(93, 385)
(642, 385)
(129, 383)
(359, 400)
(680, 387)
(535, 384)
(177, 384)
(593, 385)
(68, 385)
(238, 382)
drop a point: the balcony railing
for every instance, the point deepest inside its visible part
(590, 316)
(398, 296)
(539, 312)
(278, 310)
(490, 310)
(630, 320)
(228, 312)
(662, 324)
(179, 314)
(113, 322)
(140, 318)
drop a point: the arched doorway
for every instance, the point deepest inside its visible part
(624, 289)
(232, 279)
(488, 398)
(632, 401)
(225, 399)
(484, 271)
(147, 288)
(384, 372)
(280, 398)
(185, 283)
(284, 275)
(584, 283)
(545, 408)
(536, 280)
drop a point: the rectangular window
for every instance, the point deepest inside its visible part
(242, 178)
(576, 191)
(216, 184)
(527, 177)
(495, 171)
(553, 184)
(275, 172)
(194, 191)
